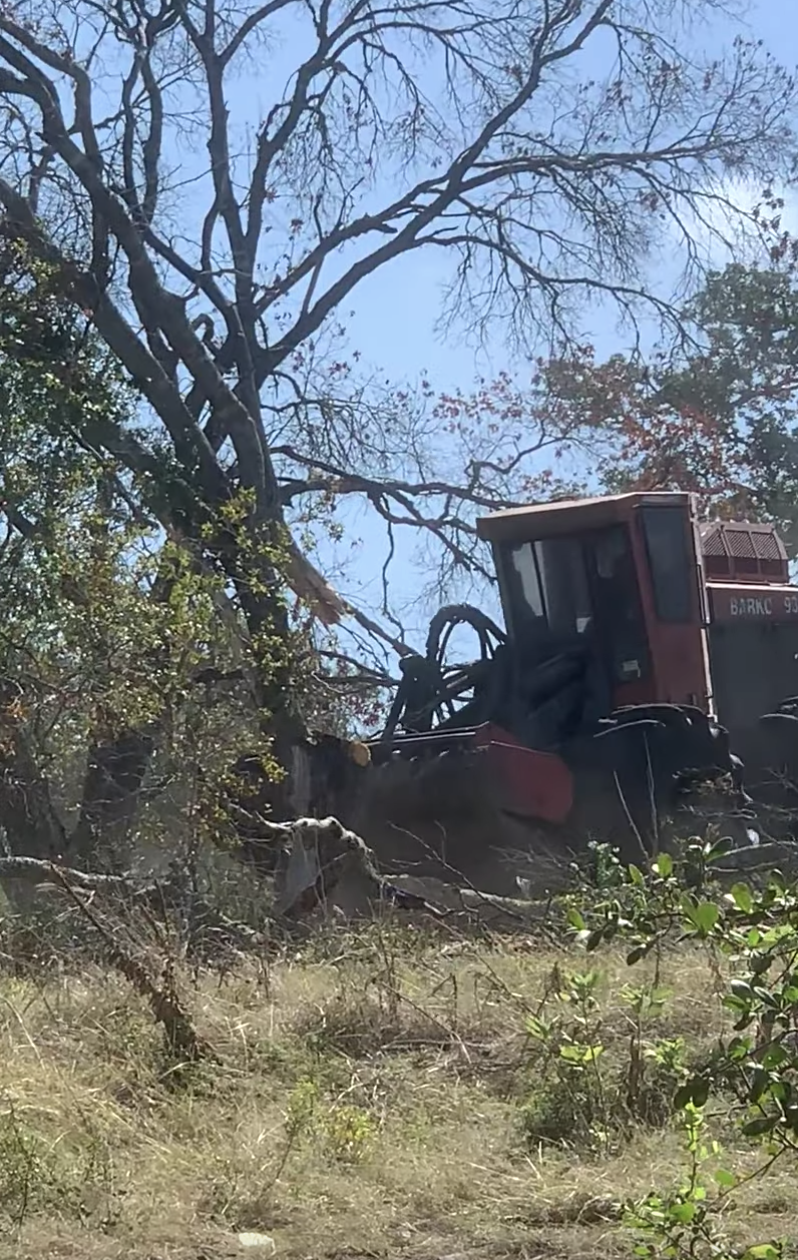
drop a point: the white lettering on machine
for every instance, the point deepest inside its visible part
(761, 606)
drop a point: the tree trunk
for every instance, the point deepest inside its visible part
(111, 796)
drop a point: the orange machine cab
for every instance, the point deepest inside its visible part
(624, 570)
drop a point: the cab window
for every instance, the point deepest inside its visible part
(672, 566)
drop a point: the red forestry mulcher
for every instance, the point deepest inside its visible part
(639, 648)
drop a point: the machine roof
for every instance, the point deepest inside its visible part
(543, 520)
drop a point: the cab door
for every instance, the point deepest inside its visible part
(674, 602)
(618, 614)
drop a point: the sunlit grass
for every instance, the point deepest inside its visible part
(379, 1096)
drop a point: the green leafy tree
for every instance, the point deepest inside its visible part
(123, 693)
(716, 416)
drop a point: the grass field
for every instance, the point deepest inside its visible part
(377, 1094)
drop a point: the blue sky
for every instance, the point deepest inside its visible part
(395, 311)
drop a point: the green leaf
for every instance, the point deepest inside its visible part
(760, 963)
(684, 1213)
(724, 1178)
(580, 1054)
(536, 1028)
(742, 990)
(743, 900)
(720, 849)
(663, 865)
(705, 916)
(576, 920)
(571, 1054)
(774, 1057)
(694, 1092)
(758, 1126)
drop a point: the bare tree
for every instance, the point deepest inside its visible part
(225, 234)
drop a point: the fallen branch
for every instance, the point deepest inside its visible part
(321, 861)
(157, 894)
(38, 871)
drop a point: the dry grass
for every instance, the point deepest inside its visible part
(378, 1099)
